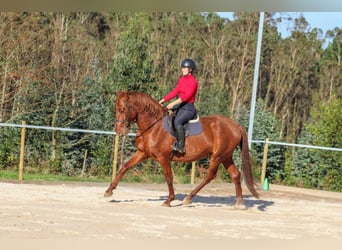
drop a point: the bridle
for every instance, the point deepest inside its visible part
(126, 121)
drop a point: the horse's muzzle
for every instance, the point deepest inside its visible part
(121, 130)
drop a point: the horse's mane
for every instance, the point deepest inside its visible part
(146, 104)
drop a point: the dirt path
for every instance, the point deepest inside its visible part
(79, 211)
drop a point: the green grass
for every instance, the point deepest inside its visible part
(13, 175)
(133, 176)
(130, 177)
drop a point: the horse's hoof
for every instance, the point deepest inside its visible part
(187, 201)
(108, 194)
(166, 204)
(240, 207)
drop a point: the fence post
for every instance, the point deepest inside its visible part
(22, 151)
(84, 162)
(193, 169)
(115, 156)
(264, 161)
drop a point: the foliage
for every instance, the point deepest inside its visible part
(325, 128)
(265, 126)
(133, 65)
(9, 147)
(321, 168)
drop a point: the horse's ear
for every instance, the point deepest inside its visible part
(119, 93)
(122, 95)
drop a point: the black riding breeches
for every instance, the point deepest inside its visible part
(185, 113)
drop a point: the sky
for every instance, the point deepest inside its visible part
(323, 20)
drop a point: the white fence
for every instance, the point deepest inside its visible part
(266, 142)
(133, 134)
(298, 145)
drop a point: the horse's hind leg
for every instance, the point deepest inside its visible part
(212, 171)
(236, 179)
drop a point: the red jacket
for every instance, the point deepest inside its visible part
(186, 88)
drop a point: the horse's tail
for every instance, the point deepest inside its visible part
(246, 163)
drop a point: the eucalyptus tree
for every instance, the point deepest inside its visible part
(133, 64)
(330, 67)
(292, 77)
(242, 47)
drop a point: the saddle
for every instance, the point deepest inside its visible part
(193, 127)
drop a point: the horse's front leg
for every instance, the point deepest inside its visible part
(135, 159)
(166, 165)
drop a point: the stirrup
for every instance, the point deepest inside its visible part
(174, 146)
(181, 150)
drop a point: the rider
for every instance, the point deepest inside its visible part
(185, 91)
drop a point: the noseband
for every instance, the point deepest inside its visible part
(126, 121)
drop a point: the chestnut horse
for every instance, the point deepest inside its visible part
(219, 138)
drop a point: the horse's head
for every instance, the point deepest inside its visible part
(124, 113)
(136, 107)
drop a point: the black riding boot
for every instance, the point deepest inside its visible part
(179, 144)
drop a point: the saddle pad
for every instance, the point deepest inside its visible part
(194, 128)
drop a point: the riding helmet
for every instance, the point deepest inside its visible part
(188, 63)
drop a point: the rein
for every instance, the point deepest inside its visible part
(154, 123)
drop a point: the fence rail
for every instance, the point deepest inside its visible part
(23, 126)
(133, 134)
(298, 145)
(62, 129)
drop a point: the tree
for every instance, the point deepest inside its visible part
(330, 68)
(265, 126)
(292, 78)
(242, 53)
(322, 168)
(133, 65)
(325, 125)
